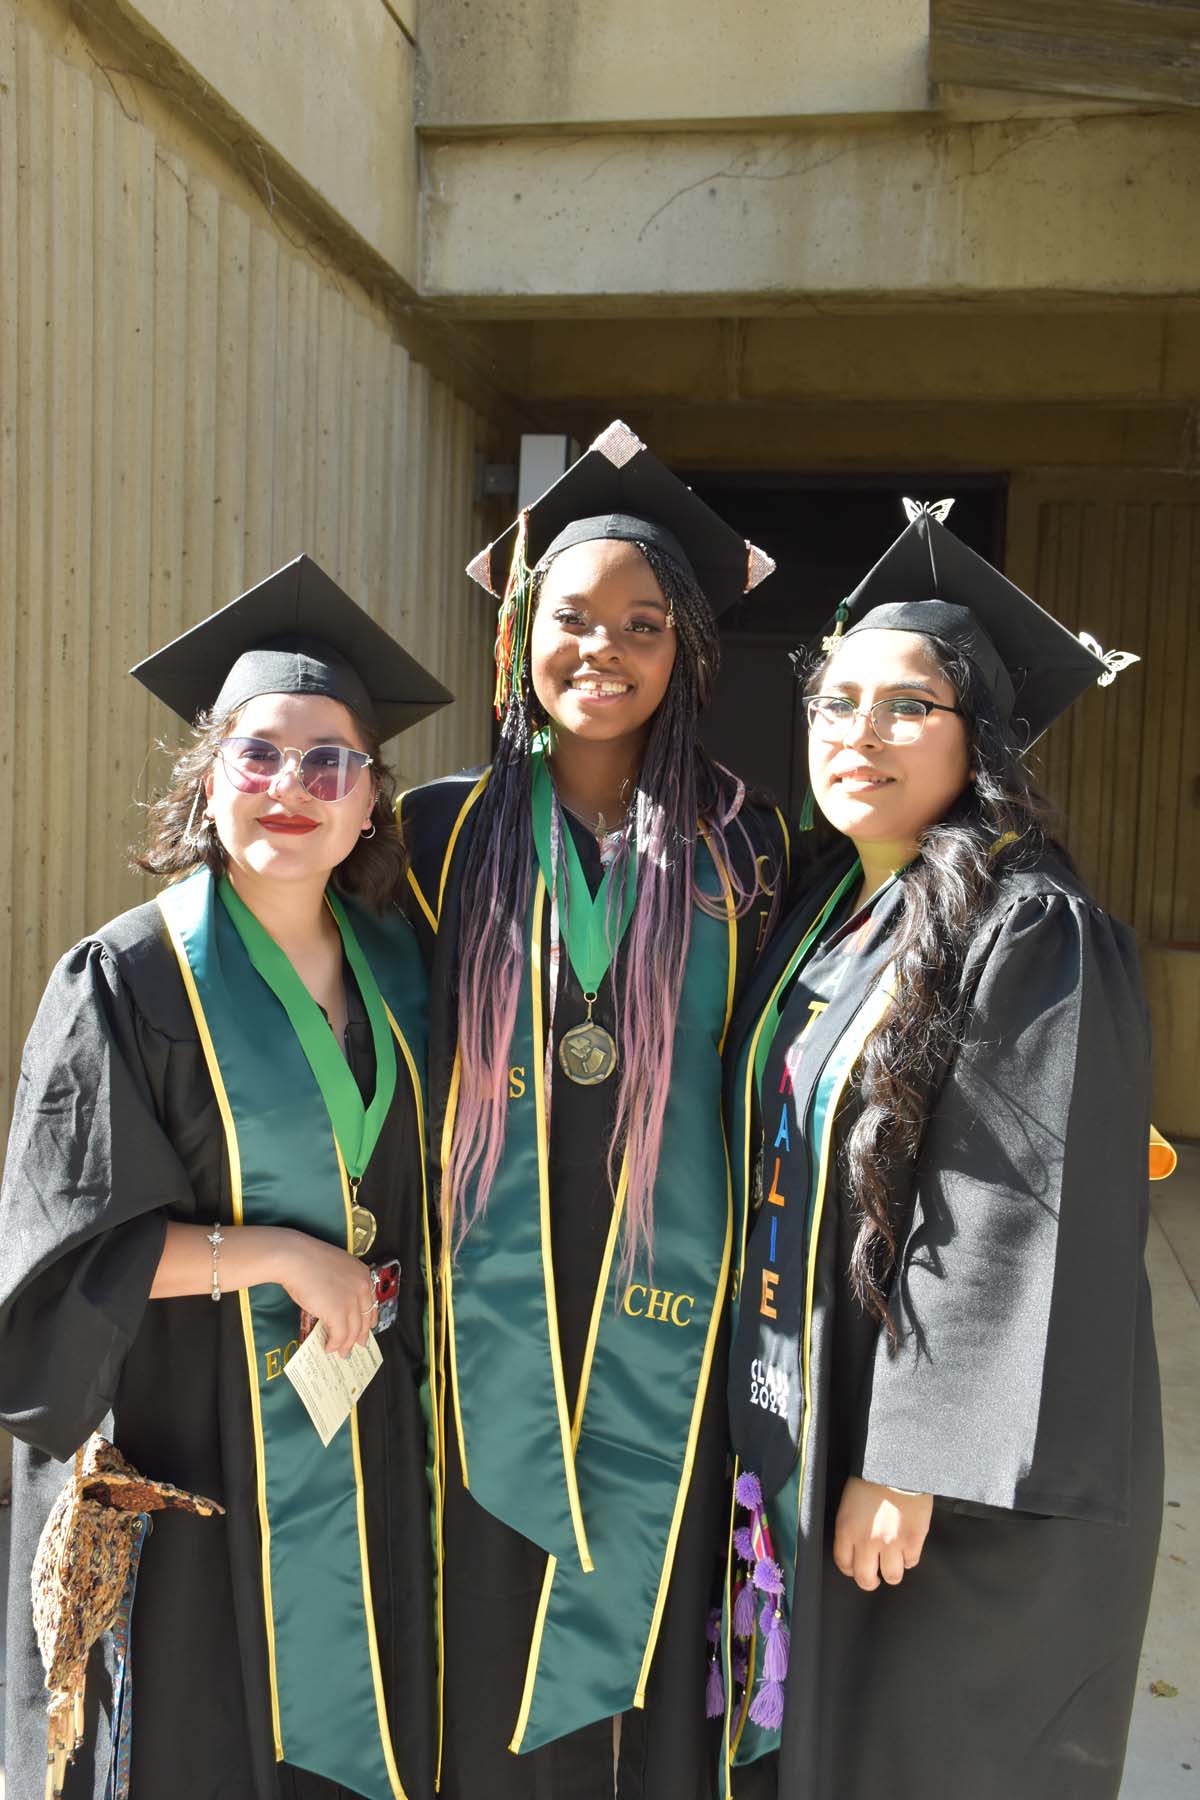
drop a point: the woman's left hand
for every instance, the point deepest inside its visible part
(879, 1532)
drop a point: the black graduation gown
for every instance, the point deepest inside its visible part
(1024, 1396)
(115, 1131)
(493, 1576)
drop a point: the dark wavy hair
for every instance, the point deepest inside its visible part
(1001, 821)
(178, 839)
(678, 784)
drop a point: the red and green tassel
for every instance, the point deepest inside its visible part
(512, 625)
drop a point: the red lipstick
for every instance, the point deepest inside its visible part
(293, 825)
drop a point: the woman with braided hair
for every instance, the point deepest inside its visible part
(591, 906)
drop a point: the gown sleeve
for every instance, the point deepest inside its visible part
(1020, 1284)
(88, 1178)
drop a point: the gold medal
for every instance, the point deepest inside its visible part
(587, 1053)
(363, 1226)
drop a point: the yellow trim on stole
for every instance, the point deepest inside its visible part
(385, 1731)
(589, 1354)
(447, 1270)
(787, 845)
(414, 884)
(235, 1185)
(710, 1343)
(435, 1421)
(539, 1627)
(422, 902)
(447, 1330)
(543, 1155)
(731, 927)
(465, 808)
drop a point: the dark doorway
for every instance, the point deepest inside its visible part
(824, 532)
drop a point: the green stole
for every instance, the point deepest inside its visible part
(744, 1741)
(598, 1480)
(329, 1709)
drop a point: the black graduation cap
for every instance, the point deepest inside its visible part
(930, 581)
(619, 489)
(294, 633)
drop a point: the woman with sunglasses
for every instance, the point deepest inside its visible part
(943, 1386)
(216, 1157)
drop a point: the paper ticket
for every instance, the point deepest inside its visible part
(328, 1385)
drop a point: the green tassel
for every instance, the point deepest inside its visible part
(807, 813)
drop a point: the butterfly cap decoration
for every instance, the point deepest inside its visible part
(930, 581)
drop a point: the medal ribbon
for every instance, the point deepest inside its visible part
(775, 1006)
(586, 924)
(355, 1126)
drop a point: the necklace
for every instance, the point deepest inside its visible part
(598, 826)
(587, 1053)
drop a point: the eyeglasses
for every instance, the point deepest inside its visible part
(327, 771)
(900, 720)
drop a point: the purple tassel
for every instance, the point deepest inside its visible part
(768, 1576)
(739, 1664)
(743, 1611)
(766, 1708)
(714, 1692)
(748, 1492)
(775, 1656)
(742, 1543)
(712, 1629)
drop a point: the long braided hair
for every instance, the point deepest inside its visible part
(677, 785)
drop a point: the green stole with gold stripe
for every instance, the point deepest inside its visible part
(598, 1480)
(330, 1712)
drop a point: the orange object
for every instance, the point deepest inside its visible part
(1163, 1156)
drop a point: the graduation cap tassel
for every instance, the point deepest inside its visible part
(512, 626)
(808, 816)
(830, 643)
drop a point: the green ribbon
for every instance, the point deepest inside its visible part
(355, 1126)
(585, 919)
(332, 1707)
(775, 1005)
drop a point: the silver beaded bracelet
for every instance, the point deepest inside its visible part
(216, 1240)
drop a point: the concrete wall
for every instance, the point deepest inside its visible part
(736, 221)
(189, 395)
(567, 63)
(328, 89)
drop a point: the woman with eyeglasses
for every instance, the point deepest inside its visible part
(216, 1160)
(943, 1387)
